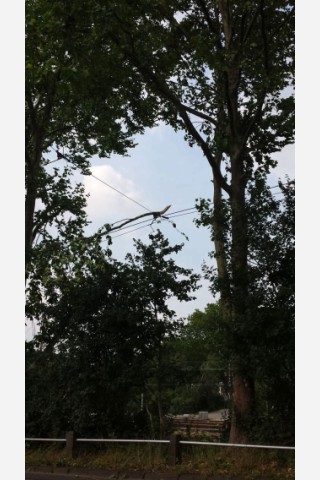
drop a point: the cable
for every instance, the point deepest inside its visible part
(143, 226)
(172, 215)
(121, 193)
(148, 220)
(130, 231)
(183, 214)
(63, 156)
(184, 210)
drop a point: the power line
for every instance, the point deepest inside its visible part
(148, 220)
(132, 225)
(130, 231)
(188, 211)
(183, 214)
(63, 156)
(121, 193)
(184, 210)
(144, 226)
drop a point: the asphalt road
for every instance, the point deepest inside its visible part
(63, 473)
(58, 476)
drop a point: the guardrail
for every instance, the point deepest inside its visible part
(175, 444)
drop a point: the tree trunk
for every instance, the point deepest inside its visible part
(37, 125)
(33, 161)
(243, 384)
(151, 420)
(219, 234)
(161, 418)
(29, 218)
(242, 410)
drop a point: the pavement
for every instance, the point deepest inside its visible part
(76, 473)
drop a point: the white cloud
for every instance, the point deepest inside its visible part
(286, 163)
(105, 204)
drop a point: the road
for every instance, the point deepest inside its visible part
(63, 473)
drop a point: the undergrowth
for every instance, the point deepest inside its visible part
(248, 463)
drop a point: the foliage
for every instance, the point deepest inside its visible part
(79, 98)
(267, 344)
(223, 72)
(204, 368)
(101, 322)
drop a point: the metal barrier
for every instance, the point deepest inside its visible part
(186, 442)
(175, 444)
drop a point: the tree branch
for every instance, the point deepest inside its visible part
(206, 14)
(155, 215)
(204, 116)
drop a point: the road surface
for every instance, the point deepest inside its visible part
(64, 473)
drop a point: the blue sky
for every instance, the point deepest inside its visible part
(161, 170)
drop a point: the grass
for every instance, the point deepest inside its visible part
(245, 462)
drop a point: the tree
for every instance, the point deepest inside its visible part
(272, 269)
(78, 100)
(201, 345)
(159, 279)
(102, 323)
(267, 343)
(222, 72)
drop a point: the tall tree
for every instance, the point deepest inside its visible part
(267, 344)
(79, 99)
(222, 72)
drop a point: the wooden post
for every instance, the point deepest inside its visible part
(70, 444)
(174, 450)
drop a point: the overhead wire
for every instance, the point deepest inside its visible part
(188, 211)
(130, 231)
(62, 156)
(148, 224)
(121, 193)
(172, 215)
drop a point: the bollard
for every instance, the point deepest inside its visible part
(70, 444)
(174, 450)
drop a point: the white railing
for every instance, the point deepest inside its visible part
(136, 440)
(175, 444)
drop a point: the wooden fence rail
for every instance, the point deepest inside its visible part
(189, 426)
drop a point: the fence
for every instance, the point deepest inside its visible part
(175, 444)
(214, 428)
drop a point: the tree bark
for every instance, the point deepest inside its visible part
(219, 234)
(243, 391)
(37, 126)
(33, 162)
(242, 411)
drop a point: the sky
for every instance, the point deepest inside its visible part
(162, 169)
